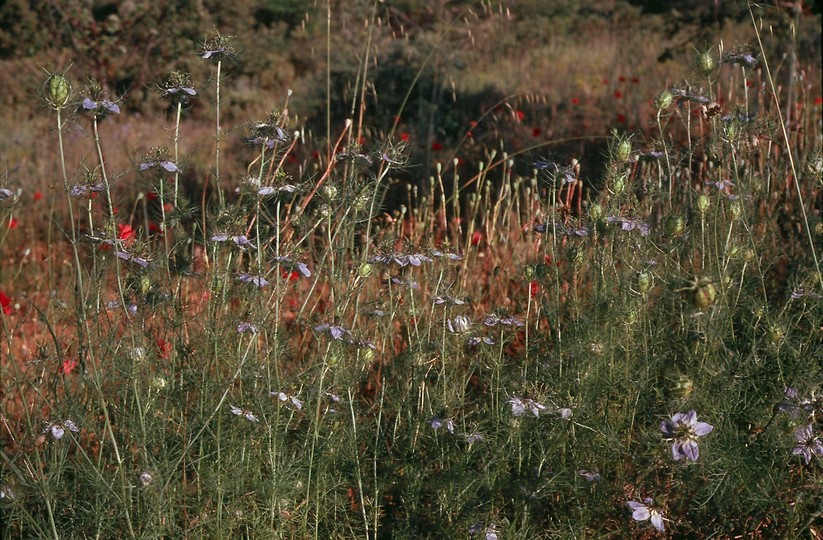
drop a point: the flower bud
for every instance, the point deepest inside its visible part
(59, 91)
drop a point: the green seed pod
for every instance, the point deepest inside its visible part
(59, 91)
(748, 254)
(775, 334)
(619, 185)
(145, 284)
(704, 294)
(674, 226)
(644, 282)
(623, 150)
(595, 212)
(631, 317)
(732, 130)
(330, 192)
(663, 100)
(530, 271)
(365, 270)
(703, 203)
(366, 355)
(705, 63)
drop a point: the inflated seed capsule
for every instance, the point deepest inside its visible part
(705, 63)
(704, 295)
(365, 270)
(530, 271)
(674, 226)
(663, 100)
(735, 210)
(644, 282)
(619, 185)
(595, 212)
(732, 130)
(624, 150)
(703, 203)
(59, 90)
(145, 284)
(775, 334)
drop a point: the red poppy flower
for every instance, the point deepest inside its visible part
(536, 132)
(436, 146)
(404, 137)
(152, 195)
(294, 275)
(5, 303)
(67, 366)
(520, 115)
(126, 234)
(621, 78)
(12, 223)
(575, 101)
(621, 118)
(534, 288)
(37, 195)
(635, 80)
(476, 237)
(164, 348)
(618, 94)
(818, 100)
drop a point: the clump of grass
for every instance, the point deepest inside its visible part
(504, 355)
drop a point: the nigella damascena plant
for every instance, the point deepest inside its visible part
(177, 88)
(459, 325)
(454, 257)
(493, 320)
(58, 429)
(218, 48)
(5, 194)
(808, 444)
(284, 398)
(683, 430)
(291, 264)
(521, 405)
(96, 102)
(158, 158)
(798, 407)
(257, 281)
(642, 511)
(245, 413)
(267, 133)
(246, 326)
(437, 423)
(338, 333)
(630, 224)
(401, 259)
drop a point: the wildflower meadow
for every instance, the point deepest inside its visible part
(438, 272)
